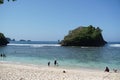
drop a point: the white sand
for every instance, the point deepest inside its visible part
(10, 71)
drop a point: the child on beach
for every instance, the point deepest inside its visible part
(107, 69)
(49, 63)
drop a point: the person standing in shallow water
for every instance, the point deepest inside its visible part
(55, 62)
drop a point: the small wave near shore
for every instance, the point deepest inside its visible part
(35, 45)
(114, 45)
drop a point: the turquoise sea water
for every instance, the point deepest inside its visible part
(40, 52)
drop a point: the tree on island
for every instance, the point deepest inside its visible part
(2, 1)
(3, 40)
(84, 36)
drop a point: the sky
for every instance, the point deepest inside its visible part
(51, 20)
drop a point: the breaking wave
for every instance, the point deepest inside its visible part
(114, 45)
(35, 45)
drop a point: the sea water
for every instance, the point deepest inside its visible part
(41, 52)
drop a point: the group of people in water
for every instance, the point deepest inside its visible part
(55, 63)
(2, 55)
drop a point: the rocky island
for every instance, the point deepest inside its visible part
(3, 40)
(84, 36)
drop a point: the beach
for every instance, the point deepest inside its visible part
(14, 71)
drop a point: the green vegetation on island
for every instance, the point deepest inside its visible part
(2, 1)
(84, 36)
(3, 40)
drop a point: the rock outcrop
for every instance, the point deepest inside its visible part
(84, 36)
(3, 40)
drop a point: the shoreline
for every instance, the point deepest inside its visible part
(14, 71)
(52, 66)
(61, 66)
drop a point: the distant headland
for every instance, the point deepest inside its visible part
(84, 36)
(3, 40)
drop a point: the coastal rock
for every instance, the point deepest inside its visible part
(1, 1)
(84, 36)
(3, 40)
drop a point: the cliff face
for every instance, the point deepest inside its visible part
(84, 36)
(3, 40)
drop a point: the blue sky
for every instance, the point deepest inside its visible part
(50, 20)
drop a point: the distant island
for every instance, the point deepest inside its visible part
(9, 39)
(3, 40)
(84, 36)
(22, 40)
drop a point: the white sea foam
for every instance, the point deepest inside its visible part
(114, 45)
(18, 44)
(44, 45)
(84, 47)
(35, 45)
